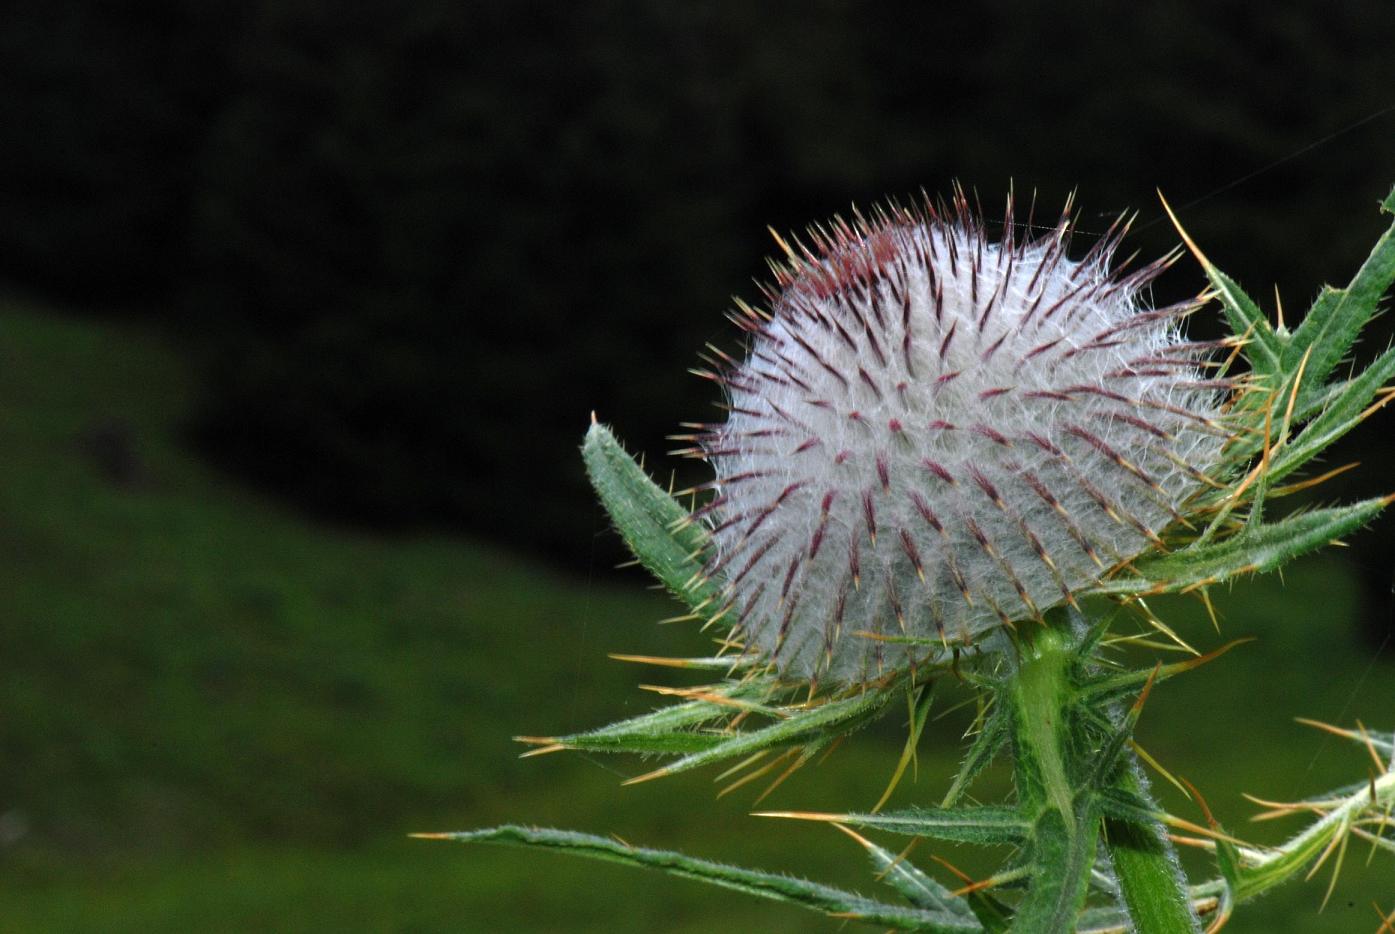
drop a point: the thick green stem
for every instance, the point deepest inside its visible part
(1063, 831)
(1039, 695)
(1146, 868)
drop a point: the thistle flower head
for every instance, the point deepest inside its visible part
(933, 434)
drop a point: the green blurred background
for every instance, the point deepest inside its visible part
(304, 309)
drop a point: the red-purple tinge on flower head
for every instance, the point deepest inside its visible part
(933, 434)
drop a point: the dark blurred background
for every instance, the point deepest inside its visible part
(365, 269)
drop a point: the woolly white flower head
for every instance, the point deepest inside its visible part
(934, 434)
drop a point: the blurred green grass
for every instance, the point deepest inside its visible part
(217, 714)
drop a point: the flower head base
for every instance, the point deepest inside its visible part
(933, 435)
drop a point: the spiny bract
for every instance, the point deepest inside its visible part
(933, 434)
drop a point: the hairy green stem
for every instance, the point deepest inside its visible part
(1039, 697)
(1063, 835)
(1146, 868)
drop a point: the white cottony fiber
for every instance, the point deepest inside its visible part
(932, 435)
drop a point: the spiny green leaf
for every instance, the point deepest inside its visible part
(676, 743)
(1260, 549)
(1111, 687)
(1118, 804)
(727, 663)
(1264, 346)
(991, 739)
(667, 730)
(775, 886)
(1336, 318)
(656, 527)
(1096, 626)
(1228, 859)
(914, 885)
(1107, 759)
(1341, 810)
(1344, 403)
(801, 725)
(982, 825)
